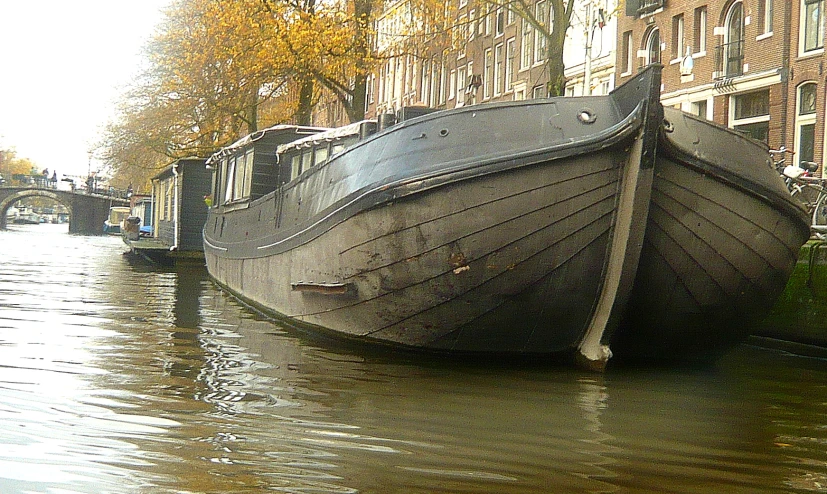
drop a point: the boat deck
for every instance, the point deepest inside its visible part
(158, 251)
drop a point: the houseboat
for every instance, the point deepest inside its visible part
(556, 226)
(177, 213)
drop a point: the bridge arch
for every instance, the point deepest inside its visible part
(12, 199)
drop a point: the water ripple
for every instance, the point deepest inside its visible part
(119, 377)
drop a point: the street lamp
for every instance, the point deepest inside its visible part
(594, 20)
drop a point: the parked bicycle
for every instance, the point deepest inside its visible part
(802, 184)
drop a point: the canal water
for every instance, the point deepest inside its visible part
(117, 377)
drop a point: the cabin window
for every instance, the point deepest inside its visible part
(307, 159)
(240, 172)
(221, 182)
(168, 211)
(230, 184)
(248, 172)
(159, 191)
(321, 154)
(337, 147)
(295, 166)
(214, 184)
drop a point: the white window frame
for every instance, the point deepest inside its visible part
(488, 59)
(766, 11)
(526, 45)
(540, 42)
(498, 69)
(678, 49)
(462, 84)
(805, 119)
(510, 55)
(650, 42)
(803, 28)
(700, 30)
(733, 123)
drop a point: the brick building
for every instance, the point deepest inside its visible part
(492, 55)
(753, 65)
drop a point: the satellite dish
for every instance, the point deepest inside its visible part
(687, 62)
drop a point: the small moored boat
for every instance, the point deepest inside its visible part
(26, 216)
(530, 227)
(114, 223)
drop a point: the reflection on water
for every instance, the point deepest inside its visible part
(118, 377)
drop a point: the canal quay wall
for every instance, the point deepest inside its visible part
(800, 314)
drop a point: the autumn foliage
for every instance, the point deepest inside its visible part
(220, 69)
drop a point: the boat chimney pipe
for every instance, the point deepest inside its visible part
(175, 217)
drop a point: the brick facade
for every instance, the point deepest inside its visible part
(750, 60)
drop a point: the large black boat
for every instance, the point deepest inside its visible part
(559, 225)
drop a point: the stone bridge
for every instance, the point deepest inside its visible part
(87, 212)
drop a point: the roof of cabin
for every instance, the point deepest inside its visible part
(328, 135)
(249, 138)
(182, 162)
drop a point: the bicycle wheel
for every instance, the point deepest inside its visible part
(819, 218)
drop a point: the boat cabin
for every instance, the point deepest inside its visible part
(114, 222)
(263, 161)
(179, 214)
(314, 150)
(247, 169)
(142, 208)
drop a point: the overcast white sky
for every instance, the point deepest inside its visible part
(63, 65)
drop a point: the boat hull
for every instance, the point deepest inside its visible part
(500, 262)
(721, 241)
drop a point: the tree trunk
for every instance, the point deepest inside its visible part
(561, 15)
(304, 112)
(251, 114)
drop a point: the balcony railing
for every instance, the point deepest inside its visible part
(639, 8)
(729, 59)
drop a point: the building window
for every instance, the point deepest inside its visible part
(812, 18)
(805, 122)
(462, 36)
(765, 16)
(653, 47)
(472, 25)
(526, 46)
(509, 63)
(730, 54)
(486, 75)
(435, 78)
(540, 41)
(424, 89)
(677, 37)
(750, 113)
(462, 84)
(627, 62)
(443, 79)
(539, 92)
(498, 69)
(700, 30)
(699, 108)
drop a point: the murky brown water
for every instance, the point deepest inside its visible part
(117, 377)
